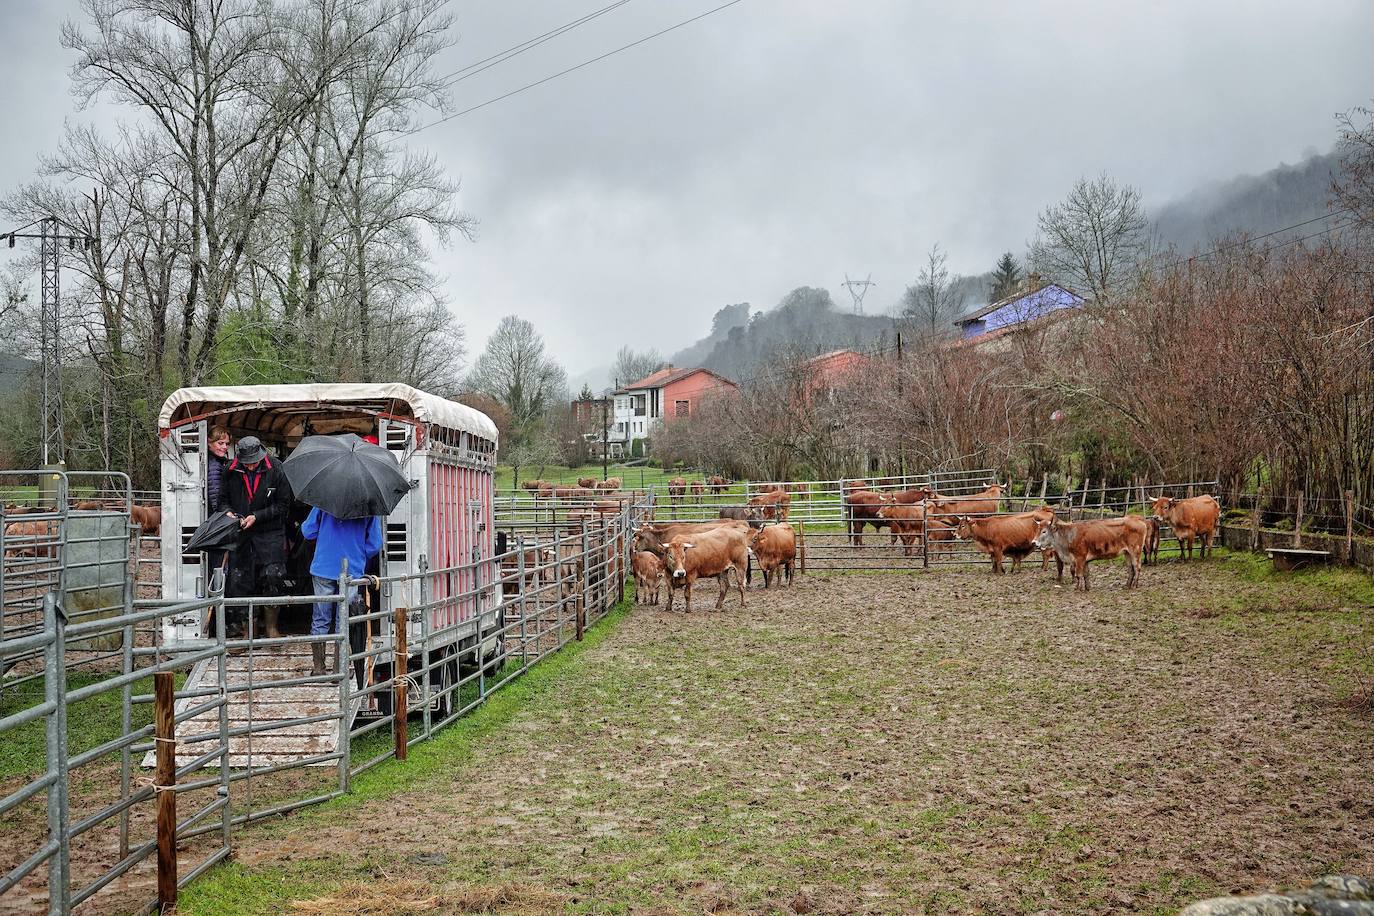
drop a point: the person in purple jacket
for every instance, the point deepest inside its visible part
(336, 539)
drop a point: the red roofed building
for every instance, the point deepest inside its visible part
(832, 370)
(660, 397)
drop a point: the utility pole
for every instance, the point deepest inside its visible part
(50, 237)
(605, 439)
(857, 290)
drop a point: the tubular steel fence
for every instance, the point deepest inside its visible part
(244, 729)
(241, 729)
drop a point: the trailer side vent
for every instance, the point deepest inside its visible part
(189, 440)
(396, 542)
(188, 558)
(396, 437)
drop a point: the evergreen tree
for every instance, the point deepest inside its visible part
(1006, 277)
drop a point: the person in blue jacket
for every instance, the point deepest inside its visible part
(336, 539)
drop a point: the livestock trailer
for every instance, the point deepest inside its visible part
(438, 552)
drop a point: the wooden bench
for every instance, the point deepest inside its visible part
(1288, 558)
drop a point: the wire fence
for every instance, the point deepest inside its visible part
(246, 728)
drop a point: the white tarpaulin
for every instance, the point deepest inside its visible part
(425, 408)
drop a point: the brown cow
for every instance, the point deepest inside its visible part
(801, 490)
(981, 503)
(862, 507)
(1192, 518)
(648, 570)
(31, 539)
(904, 523)
(587, 482)
(718, 484)
(677, 488)
(532, 484)
(750, 514)
(1004, 535)
(774, 547)
(610, 483)
(149, 518)
(698, 489)
(775, 505)
(711, 553)
(572, 492)
(1079, 543)
(908, 497)
(1151, 556)
(655, 536)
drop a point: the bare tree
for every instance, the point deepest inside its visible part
(515, 370)
(1354, 188)
(1092, 239)
(932, 302)
(631, 365)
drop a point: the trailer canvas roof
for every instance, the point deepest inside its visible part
(303, 401)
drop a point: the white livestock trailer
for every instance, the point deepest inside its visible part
(438, 554)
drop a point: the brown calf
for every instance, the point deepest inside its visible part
(775, 547)
(1192, 518)
(1079, 543)
(648, 570)
(587, 482)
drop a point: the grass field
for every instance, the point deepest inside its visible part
(943, 742)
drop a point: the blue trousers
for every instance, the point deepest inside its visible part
(326, 617)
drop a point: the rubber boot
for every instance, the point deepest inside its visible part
(269, 618)
(317, 659)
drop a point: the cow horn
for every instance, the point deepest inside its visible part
(687, 546)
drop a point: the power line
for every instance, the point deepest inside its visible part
(487, 63)
(1252, 239)
(857, 290)
(554, 76)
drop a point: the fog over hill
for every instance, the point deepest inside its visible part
(743, 336)
(1255, 204)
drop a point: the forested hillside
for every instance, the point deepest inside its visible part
(808, 320)
(1253, 204)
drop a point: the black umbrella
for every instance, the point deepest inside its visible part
(345, 476)
(218, 532)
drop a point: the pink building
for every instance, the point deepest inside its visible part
(661, 397)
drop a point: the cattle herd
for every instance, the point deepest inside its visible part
(683, 552)
(36, 537)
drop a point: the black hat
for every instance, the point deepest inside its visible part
(250, 450)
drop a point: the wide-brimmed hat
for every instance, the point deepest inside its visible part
(250, 450)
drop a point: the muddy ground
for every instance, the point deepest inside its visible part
(942, 742)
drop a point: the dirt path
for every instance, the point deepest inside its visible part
(946, 742)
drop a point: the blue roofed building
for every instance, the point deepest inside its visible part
(1035, 300)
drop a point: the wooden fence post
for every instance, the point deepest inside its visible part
(1044, 484)
(1025, 499)
(1297, 524)
(399, 687)
(801, 544)
(1255, 520)
(581, 607)
(1350, 526)
(165, 732)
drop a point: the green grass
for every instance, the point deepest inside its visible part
(89, 723)
(230, 888)
(1343, 582)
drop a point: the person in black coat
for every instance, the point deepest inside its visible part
(255, 491)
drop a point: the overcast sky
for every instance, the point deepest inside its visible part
(781, 143)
